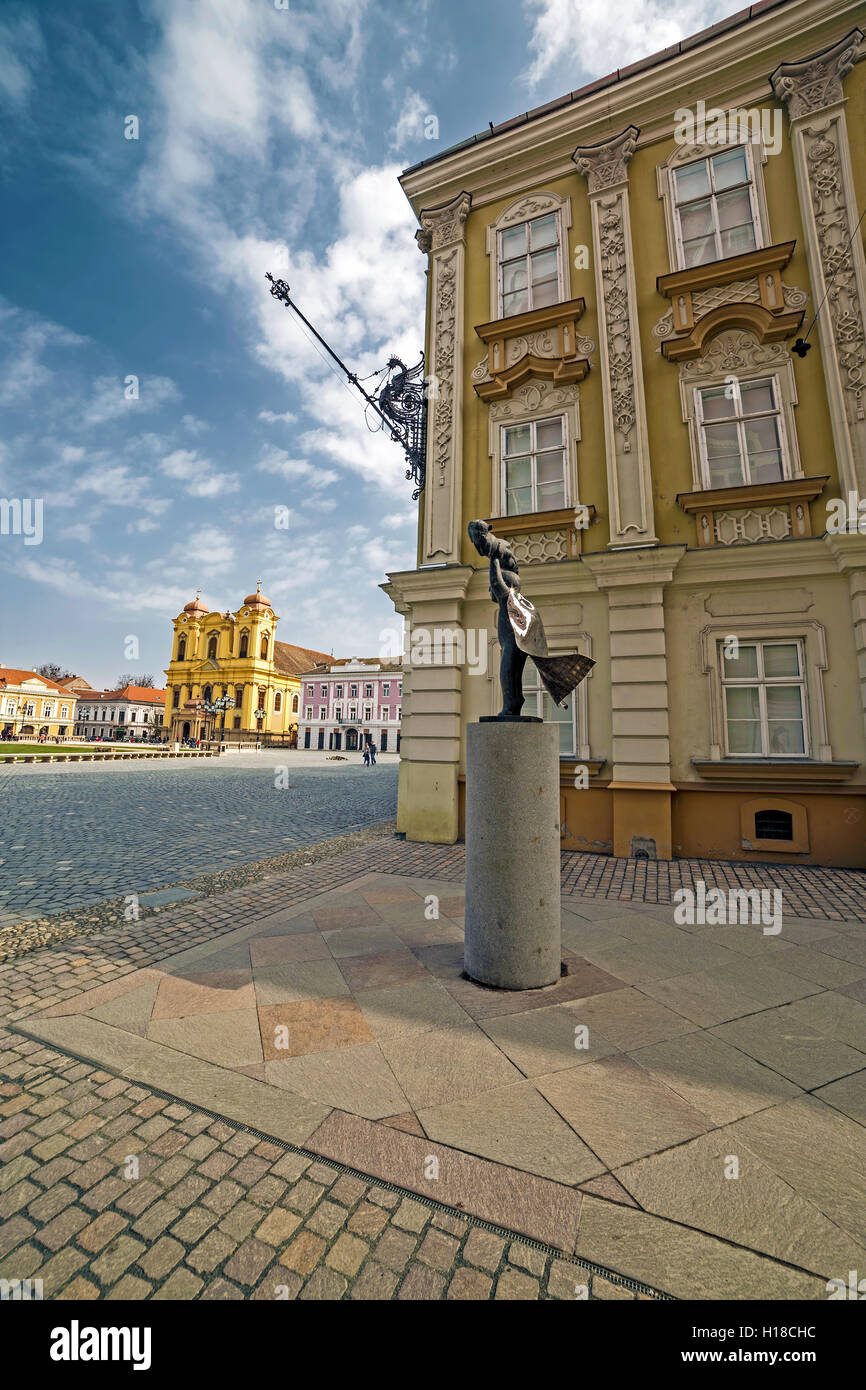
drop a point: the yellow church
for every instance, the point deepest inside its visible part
(230, 679)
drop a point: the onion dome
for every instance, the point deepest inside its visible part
(257, 600)
(196, 606)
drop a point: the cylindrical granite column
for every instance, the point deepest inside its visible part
(512, 854)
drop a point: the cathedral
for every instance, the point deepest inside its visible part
(234, 656)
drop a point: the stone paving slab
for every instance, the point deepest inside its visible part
(273, 1027)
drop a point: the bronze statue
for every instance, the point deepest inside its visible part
(521, 632)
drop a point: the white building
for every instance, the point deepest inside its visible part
(133, 713)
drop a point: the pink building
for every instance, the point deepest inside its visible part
(346, 702)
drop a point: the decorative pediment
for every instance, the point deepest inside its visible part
(739, 292)
(541, 343)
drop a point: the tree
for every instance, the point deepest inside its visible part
(130, 678)
(52, 672)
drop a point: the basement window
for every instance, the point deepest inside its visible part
(774, 825)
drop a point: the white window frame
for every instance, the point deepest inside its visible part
(383, 714)
(527, 260)
(533, 424)
(761, 682)
(683, 155)
(778, 413)
(534, 705)
(713, 195)
(386, 689)
(308, 711)
(526, 209)
(536, 399)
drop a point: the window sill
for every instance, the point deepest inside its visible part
(553, 531)
(764, 312)
(723, 514)
(787, 770)
(543, 342)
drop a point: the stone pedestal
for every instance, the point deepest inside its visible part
(512, 854)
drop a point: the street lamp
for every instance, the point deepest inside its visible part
(225, 702)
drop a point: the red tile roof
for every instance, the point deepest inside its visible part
(10, 675)
(291, 660)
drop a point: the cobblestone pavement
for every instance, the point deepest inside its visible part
(72, 838)
(216, 1212)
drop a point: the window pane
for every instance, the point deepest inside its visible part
(766, 468)
(551, 496)
(519, 502)
(543, 266)
(786, 737)
(700, 252)
(550, 467)
(512, 242)
(744, 666)
(726, 473)
(548, 433)
(742, 702)
(738, 240)
(744, 736)
(545, 294)
(518, 439)
(729, 168)
(782, 659)
(762, 435)
(757, 397)
(716, 404)
(697, 220)
(516, 303)
(542, 232)
(517, 472)
(784, 702)
(514, 276)
(692, 182)
(735, 209)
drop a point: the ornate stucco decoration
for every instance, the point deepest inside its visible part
(605, 168)
(739, 292)
(540, 343)
(813, 90)
(442, 237)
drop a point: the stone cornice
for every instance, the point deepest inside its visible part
(444, 225)
(643, 565)
(787, 490)
(533, 321)
(434, 583)
(774, 770)
(815, 83)
(730, 69)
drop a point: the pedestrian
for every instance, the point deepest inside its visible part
(366, 755)
(372, 753)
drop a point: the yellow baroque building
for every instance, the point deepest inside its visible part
(234, 654)
(616, 285)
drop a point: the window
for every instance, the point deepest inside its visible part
(368, 712)
(398, 714)
(338, 712)
(323, 711)
(295, 703)
(278, 702)
(245, 644)
(529, 265)
(353, 692)
(64, 711)
(29, 708)
(534, 472)
(175, 699)
(765, 700)
(353, 711)
(48, 710)
(207, 694)
(212, 649)
(324, 692)
(774, 825)
(264, 649)
(339, 692)
(400, 691)
(741, 433)
(308, 712)
(715, 213)
(386, 688)
(368, 691)
(539, 703)
(181, 649)
(239, 694)
(236, 722)
(383, 714)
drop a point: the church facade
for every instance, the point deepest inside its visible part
(618, 287)
(234, 654)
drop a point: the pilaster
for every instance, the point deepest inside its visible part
(626, 444)
(812, 90)
(442, 238)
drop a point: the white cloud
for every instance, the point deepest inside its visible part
(296, 470)
(410, 122)
(23, 372)
(110, 400)
(287, 417)
(21, 52)
(599, 38)
(198, 475)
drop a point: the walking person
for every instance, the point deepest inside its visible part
(372, 753)
(366, 755)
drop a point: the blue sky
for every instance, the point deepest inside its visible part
(267, 138)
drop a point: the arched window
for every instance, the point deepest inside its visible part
(294, 704)
(207, 694)
(181, 649)
(278, 702)
(175, 698)
(212, 649)
(239, 695)
(264, 648)
(245, 644)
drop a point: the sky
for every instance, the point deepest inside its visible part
(156, 159)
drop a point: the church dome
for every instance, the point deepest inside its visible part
(196, 606)
(257, 600)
